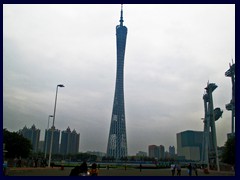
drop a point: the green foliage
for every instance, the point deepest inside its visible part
(85, 157)
(124, 158)
(76, 157)
(16, 144)
(108, 159)
(228, 155)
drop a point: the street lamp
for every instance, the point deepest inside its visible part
(54, 115)
(46, 142)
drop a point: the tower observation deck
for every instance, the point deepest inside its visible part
(117, 140)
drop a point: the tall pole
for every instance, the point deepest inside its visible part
(210, 88)
(206, 120)
(54, 115)
(46, 142)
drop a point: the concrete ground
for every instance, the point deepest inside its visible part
(56, 171)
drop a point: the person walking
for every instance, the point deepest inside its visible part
(178, 170)
(195, 169)
(75, 171)
(81, 170)
(190, 169)
(94, 171)
(84, 169)
(173, 167)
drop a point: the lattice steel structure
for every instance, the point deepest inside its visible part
(117, 140)
(231, 106)
(209, 148)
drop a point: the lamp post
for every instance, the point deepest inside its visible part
(46, 142)
(54, 115)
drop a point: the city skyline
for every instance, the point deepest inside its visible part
(172, 52)
(60, 133)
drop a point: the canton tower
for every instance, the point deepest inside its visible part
(117, 140)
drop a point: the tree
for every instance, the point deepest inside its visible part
(16, 145)
(228, 155)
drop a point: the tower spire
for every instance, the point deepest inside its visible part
(121, 18)
(117, 139)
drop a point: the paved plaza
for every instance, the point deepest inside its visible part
(56, 171)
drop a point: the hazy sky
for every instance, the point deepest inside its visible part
(171, 53)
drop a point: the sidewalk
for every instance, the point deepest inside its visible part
(56, 171)
(30, 168)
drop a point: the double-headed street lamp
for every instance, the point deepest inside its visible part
(46, 141)
(54, 115)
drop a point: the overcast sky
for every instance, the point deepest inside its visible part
(171, 53)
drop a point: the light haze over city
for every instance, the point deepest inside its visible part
(172, 51)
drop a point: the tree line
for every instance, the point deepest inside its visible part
(18, 146)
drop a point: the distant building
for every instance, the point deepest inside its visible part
(167, 155)
(141, 154)
(171, 150)
(47, 140)
(153, 151)
(157, 152)
(97, 153)
(69, 142)
(41, 146)
(189, 145)
(161, 152)
(33, 135)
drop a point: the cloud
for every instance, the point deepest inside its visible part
(171, 53)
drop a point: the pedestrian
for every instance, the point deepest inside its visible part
(173, 167)
(140, 167)
(178, 170)
(75, 171)
(94, 171)
(190, 169)
(195, 169)
(84, 169)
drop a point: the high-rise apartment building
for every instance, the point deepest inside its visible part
(69, 142)
(33, 135)
(153, 151)
(117, 140)
(171, 151)
(41, 146)
(47, 140)
(157, 152)
(161, 152)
